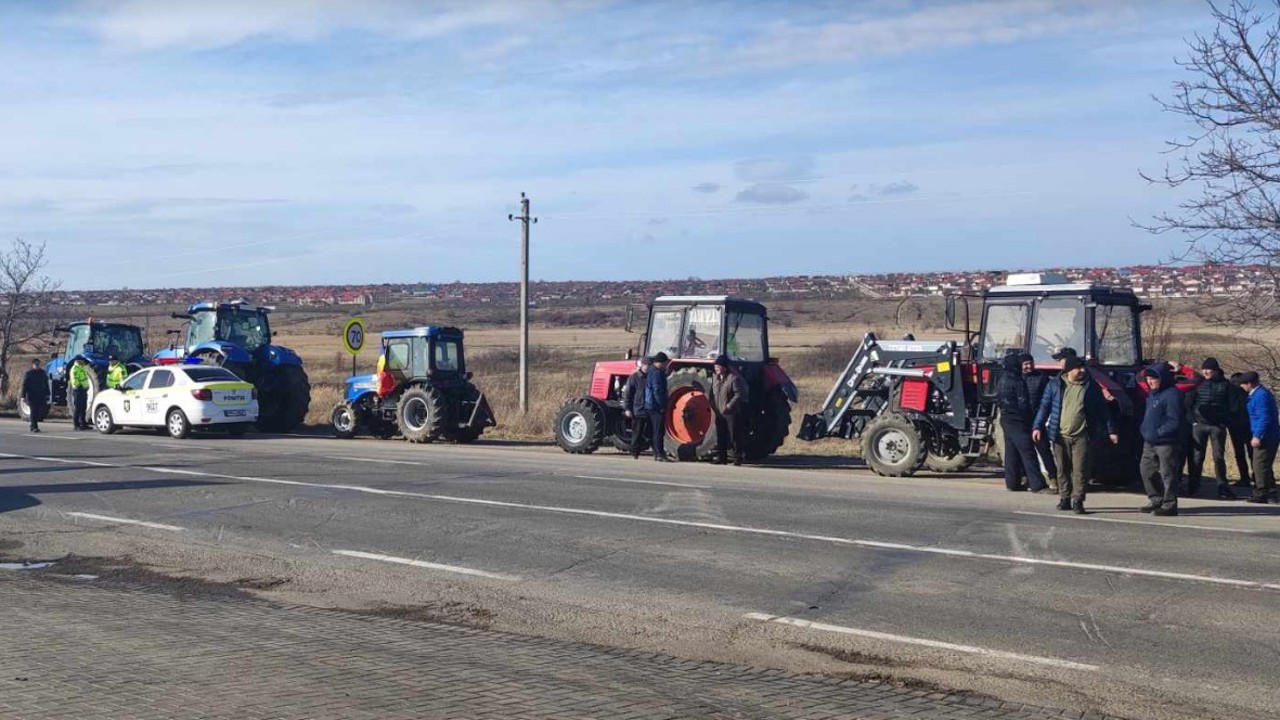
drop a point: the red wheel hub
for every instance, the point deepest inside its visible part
(689, 415)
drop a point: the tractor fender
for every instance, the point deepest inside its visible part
(232, 353)
(606, 373)
(775, 376)
(278, 355)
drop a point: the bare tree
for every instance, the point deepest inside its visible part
(25, 317)
(1231, 160)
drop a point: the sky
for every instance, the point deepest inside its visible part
(166, 143)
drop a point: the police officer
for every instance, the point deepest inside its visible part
(79, 384)
(116, 373)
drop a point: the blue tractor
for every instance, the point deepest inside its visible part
(238, 337)
(424, 392)
(97, 342)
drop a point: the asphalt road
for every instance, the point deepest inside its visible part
(954, 581)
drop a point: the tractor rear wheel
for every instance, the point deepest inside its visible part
(420, 414)
(623, 431)
(892, 447)
(580, 426)
(690, 421)
(958, 462)
(284, 399)
(771, 426)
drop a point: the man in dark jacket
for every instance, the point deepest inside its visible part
(1264, 424)
(1075, 416)
(1037, 383)
(729, 400)
(655, 404)
(1162, 449)
(633, 406)
(35, 391)
(1016, 415)
(1239, 430)
(1212, 408)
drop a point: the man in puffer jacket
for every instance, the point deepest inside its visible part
(1213, 407)
(1015, 421)
(1076, 418)
(1162, 450)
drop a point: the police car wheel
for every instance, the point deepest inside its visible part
(177, 424)
(103, 421)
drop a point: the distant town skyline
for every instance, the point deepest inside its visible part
(171, 143)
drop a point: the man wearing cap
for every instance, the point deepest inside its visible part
(1265, 426)
(1212, 408)
(116, 372)
(1075, 417)
(79, 384)
(655, 403)
(729, 400)
(1162, 448)
(633, 405)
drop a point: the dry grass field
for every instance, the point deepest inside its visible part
(812, 339)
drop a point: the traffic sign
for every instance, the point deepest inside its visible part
(353, 336)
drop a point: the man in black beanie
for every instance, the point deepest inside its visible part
(1212, 408)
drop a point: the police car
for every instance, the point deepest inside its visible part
(179, 398)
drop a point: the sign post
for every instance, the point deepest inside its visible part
(353, 340)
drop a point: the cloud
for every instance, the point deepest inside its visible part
(153, 24)
(898, 188)
(657, 221)
(902, 187)
(775, 169)
(393, 209)
(707, 188)
(771, 194)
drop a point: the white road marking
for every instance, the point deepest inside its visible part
(642, 482)
(424, 564)
(1175, 524)
(967, 649)
(765, 532)
(126, 521)
(50, 436)
(375, 460)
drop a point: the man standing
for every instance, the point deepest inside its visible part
(1211, 412)
(633, 405)
(729, 396)
(116, 373)
(79, 384)
(35, 391)
(1239, 429)
(1015, 422)
(1037, 383)
(1075, 415)
(655, 404)
(1161, 464)
(1265, 426)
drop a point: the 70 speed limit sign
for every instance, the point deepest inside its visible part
(353, 336)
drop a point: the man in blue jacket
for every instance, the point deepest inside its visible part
(1076, 418)
(1162, 447)
(1265, 426)
(655, 403)
(633, 405)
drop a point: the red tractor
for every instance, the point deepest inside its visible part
(932, 403)
(693, 331)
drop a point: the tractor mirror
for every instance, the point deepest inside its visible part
(950, 315)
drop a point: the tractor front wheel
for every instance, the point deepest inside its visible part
(892, 446)
(344, 421)
(420, 414)
(958, 462)
(580, 426)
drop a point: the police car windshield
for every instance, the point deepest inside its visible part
(210, 374)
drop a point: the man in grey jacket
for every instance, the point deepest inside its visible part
(729, 399)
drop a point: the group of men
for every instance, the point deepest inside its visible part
(36, 390)
(1054, 426)
(645, 398)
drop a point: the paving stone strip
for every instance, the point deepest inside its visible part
(91, 649)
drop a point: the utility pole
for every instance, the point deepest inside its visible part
(525, 221)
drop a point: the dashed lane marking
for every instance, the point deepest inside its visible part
(1173, 525)
(764, 532)
(643, 482)
(923, 642)
(424, 564)
(125, 521)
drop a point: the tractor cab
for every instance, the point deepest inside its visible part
(242, 326)
(431, 352)
(97, 342)
(701, 328)
(1040, 313)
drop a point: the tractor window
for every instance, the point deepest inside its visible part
(246, 328)
(123, 342)
(745, 337)
(448, 355)
(201, 328)
(1004, 330)
(398, 355)
(701, 337)
(1059, 324)
(78, 339)
(665, 335)
(420, 366)
(1117, 341)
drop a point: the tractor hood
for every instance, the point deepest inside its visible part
(358, 386)
(278, 355)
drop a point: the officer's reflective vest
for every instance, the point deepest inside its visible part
(116, 374)
(79, 377)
